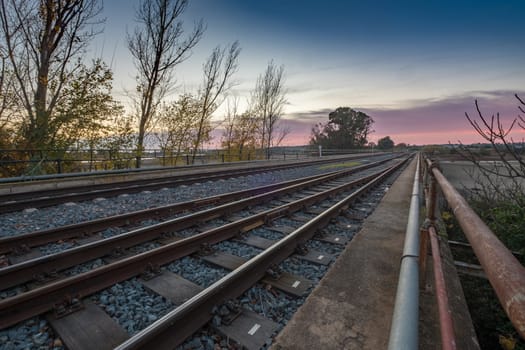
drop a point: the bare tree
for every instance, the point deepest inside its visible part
(510, 155)
(268, 100)
(7, 101)
(44, 41)
(157, 48)
(282, 131)
(218, 70)
(229, 122)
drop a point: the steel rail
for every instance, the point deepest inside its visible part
(405, 319)
(504, 271)
(77, 194)
(40, 300)
(17, 274)
(72, 193)
(173, 328)
(32, 239)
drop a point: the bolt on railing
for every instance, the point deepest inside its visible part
(503, 270)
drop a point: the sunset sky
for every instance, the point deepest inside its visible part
(415, 66)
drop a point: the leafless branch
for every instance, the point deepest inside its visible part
(157, 48)
(218, 71)
(268, 100)
(510, 164)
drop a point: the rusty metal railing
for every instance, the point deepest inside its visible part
(446, 325)
(503, 270)
(429, 237)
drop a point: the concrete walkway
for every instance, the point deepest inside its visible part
(352, 306)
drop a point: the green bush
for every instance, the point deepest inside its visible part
(507, 220)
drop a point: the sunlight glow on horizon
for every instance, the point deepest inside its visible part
(416, 69)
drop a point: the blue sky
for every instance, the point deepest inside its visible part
(414, 66)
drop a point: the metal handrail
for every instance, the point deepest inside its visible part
(503, 270)
(429, 235)
(405, 320)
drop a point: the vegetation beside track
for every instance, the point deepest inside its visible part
(507, 221)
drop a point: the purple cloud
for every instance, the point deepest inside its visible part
(423, 121)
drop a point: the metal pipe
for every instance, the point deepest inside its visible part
(405, 320)
(504, 271)
(448, 339)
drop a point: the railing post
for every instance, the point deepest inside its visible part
(423, 253)
(432, 199)
(430, 204)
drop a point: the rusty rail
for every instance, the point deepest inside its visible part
(448, 338)
(36, 238)
(504, 271)
(16, 201)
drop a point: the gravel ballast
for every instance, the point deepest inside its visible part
(131, 304)
(39, 219)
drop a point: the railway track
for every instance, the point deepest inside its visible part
(47, 267)
(16, 201)
(22, 244)
(177, 238)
